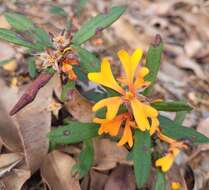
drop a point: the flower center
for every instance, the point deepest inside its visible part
(129, 95)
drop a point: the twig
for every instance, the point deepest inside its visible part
(31, 92)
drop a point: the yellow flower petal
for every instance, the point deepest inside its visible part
(165, 162)
(143, 72)
(112, 104)
(175, 185)
(154, 126)
(135, 59)
(105, 77)
(140, 82)
(125, 60)
(127, 135)
(140, 115)
(130, 63)
(150, 111)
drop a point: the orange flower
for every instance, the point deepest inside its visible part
(112, 127)
(174, 149)
(68, 69)
(131, 83)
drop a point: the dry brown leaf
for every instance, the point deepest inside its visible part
(56, 172)
(79, 107)
(26, 132)
(203, 127)
(7, 52)
(124, 30)
(122, 178)
(188, 63)
(97, 180)
(107, 154)
(15, 180)
(9, 158)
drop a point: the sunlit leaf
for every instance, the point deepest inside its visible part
(19, 21)
(96, 23)
(15, 38)
(153, 61)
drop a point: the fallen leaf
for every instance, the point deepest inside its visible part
(203, 127)
(107, 154)
(97, 180)
(188, 63)
(122, 178)
(56, 172)
(15, 180)
(79, 107)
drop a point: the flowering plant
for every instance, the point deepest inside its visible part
(125, 109)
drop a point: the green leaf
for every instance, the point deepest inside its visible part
(32, 67)
(19, 21)
(59, 11)
(80, 6)
(15, 38)
(73, 132)
(100, 22)
(179, 132)
(65, 89)
(85, 160)
(153, 61)
(174, 106)
(88, 61)
(180, 116)
(41, 37)
(142, 157)
(160, 183)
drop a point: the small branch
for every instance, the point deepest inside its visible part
(31, 92)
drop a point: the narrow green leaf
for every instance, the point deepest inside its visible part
(15, 38)
(142, 157)
(85, 160)
(58, 10)
(160, 183)
(153, 61)
(180, 116)
(65, 89)
(179, 132)
(32, 67)
(41, 37)
(19, 21)
(88, 61)
(80, 6)
(174, 106)
(98, 22)
(73, 132)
